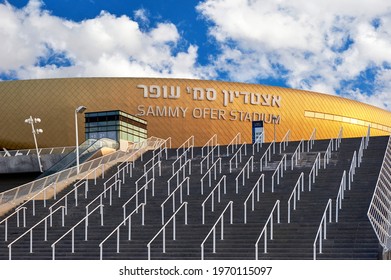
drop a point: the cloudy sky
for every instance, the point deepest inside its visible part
(338, 47)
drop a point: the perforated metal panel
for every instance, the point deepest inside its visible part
(55, 100)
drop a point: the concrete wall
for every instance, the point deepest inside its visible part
(23, 164)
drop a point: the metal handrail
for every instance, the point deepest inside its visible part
(211, 142)
(209, 172)
(15, 194)
(135, 195)
(234, 142)
(103, 194)
(189, 142)
(258, 142)
(163, 229)
(33, 227)
(221, 220)
(279, 171)
(5, 220)
(211, 194)
(299, 187)
(123, 223)
(42, 151)
(322, 232)
(246, 167)
(264, 232)
(314, 172)
(338, 140)
(340, 195)
(352, 170)
(77, 185)
(183, 155)
(285, 141)
(297, 154)
(211, 152)
(145, 174)
(265, 155)
(235, 156)
(252, 194)
(379, 211)
(37, 194)
(179, 187)
(311, 141)
(85, 219)
(183, 169)
(327, 154)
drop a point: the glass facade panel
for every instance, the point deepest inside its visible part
(115, 125)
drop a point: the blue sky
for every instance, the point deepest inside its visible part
(340, 47)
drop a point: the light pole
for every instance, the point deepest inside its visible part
(31, 121)
(79, 110)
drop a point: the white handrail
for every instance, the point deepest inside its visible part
(285, 141)
(211, 142)
(258, 142)
(379, 211)
(235, 156)
(123, 223)
(179, 159)
(32, 187)
(145, 175)
(265, 155)
(37, 194)
(246, 167)
(252, 194)
(209, 172)
(73, 231)
(221, 220)
(314, 172)
(135, 195)
(340, 196)
(33, 227)
(43, 151)
(189, 142)
(299, 187)
(322, 232)
(279, 171)
(187, 179)
(206, 158)
(163, 229)
(264, 232)
(367, 137)
(211, 194)
(155, 157)
(311, 141)
(234, 142)
(177, 174)
(352, 170)
(339, 139)
(360, 153)
(327, 154)
(297, 154)
(5, 220)
(103, 195)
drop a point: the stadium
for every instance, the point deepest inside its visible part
(191, 169)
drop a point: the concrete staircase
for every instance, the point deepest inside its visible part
(351, 238)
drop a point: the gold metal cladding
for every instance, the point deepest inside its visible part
(202, 109)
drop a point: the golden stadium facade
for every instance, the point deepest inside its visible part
(180, 108)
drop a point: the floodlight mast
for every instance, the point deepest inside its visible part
(79, 110)
(31, 121)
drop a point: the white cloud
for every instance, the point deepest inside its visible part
(107, 45)
(318, 45)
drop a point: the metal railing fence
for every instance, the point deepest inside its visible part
(213, 230)
(18, 194)
(379, 212)
(322, 232)
(264, 230)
